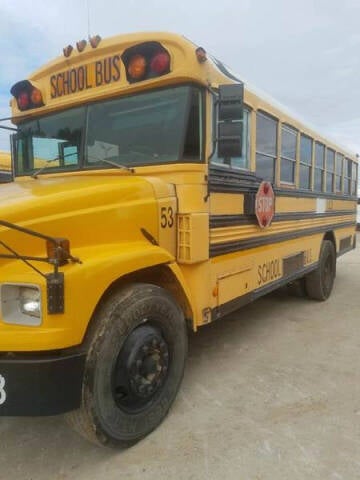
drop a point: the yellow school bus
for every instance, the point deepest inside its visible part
(154, 193)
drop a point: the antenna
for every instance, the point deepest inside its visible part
(88, 17)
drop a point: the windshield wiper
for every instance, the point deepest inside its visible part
(117, 165)
(103, 160)
(5, 127)
(110, 162)
(44, 167)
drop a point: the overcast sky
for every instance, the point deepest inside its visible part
(304, 54)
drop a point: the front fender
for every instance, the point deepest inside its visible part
(85, 283)
(101, 266)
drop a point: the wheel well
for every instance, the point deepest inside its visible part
(330, 236)
(159, 275)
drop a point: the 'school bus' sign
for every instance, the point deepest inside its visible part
(96, 74)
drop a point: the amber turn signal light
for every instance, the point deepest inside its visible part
(59, 251)
(137, 67)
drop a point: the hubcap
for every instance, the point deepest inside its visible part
(141, 368)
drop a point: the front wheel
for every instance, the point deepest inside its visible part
(319, 283)
(134, 366)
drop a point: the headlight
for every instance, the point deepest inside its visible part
(21, 304)
(30, 302)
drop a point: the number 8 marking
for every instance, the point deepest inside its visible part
(2, 390)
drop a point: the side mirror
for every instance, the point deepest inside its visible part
(230, 116)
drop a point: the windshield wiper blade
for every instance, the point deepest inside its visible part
(114, 164)
(44, 167)
(13, 129)
(9, 128)
(117, 165)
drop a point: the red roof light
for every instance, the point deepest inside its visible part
(146, 61)
(23, 100)
(27, 95)
(36, 97)
(160, 63)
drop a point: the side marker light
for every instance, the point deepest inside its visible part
(68, 50)
(94, 41)
(80, 45)
(201, 55)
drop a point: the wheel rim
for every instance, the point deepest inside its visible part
(141, 369)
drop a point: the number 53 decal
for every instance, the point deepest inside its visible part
(167, 217)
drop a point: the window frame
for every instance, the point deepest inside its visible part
(213, 155)
(274, 157)
(83, 166)
(320, 168)
(354, 178)
(304, 164)
(339, 174)
(295, 132)
(330, 172)
(347, 178)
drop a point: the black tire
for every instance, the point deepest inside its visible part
(134, 366)
(319, 283)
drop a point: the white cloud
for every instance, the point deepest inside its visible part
(306, 54)
(347, 133)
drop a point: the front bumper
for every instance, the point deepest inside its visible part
(41, 384)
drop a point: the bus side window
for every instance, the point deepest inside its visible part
(354, 176)
(288, 154)
(347, 175)
(339, 170)
(266, 146)
(306, 147)
(330, 170)
(242, 162)
(319, 167)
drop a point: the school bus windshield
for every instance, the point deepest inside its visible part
(162, 126)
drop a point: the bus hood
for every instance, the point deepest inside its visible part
(85, 209)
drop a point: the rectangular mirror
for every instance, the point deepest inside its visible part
(230, 139)
(231, 102)
(230, 116)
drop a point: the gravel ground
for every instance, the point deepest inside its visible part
(270, 392)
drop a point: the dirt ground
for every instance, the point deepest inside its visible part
(270, 392)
